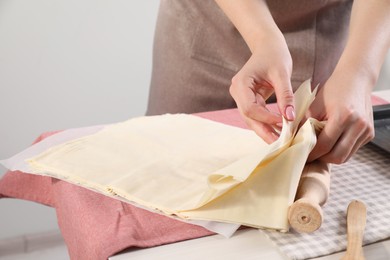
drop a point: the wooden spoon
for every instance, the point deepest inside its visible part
(356, 222)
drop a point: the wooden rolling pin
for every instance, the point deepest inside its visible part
(305, 214)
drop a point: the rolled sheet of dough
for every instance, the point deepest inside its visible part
(192, 168)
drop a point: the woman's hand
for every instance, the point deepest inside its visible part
(345, 102)
(267, 71)
(345, 99)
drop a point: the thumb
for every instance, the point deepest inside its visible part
(285, 98)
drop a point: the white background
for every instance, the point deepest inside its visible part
(64, 64)
(71, 63)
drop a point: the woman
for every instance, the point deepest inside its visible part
(258, 48)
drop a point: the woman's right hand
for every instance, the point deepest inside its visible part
(267, 71)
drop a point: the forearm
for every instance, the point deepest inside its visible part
(252, 19)
(369, 38)
(268, 69)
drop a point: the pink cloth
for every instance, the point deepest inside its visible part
(27, 186)
(378, 101)
(95, 226)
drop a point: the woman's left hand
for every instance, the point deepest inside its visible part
(345, 103)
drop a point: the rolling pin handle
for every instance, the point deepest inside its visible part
(305, 214)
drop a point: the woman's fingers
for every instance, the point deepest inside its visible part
(267, 71)
(285, 97)
(265, 131)
(251, 102)
(251, 106)
(340, 139)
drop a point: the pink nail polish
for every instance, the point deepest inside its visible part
(290, 114)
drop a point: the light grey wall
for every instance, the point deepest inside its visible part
(64, 64)
(384, 77)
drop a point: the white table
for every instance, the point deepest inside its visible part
(244, 244)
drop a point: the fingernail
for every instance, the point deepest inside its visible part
(290, 114)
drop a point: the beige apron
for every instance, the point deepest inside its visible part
(197, 50)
